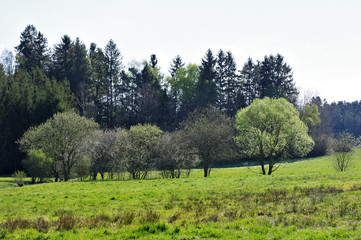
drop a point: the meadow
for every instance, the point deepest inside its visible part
(306, 199)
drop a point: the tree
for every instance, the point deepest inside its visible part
(37, 165)
(270, 130)
(276, 79)
(249, 76)
(210, 133)
(183, 90)
(101, 146)
(174, 155)
(342, 147)
(176, 63)
(231, 89)
(139, 156)
(206, 89)
(7, 60)
(33, 50)
(60, 138)
(114, 65)
(26, 99)
(310, 116)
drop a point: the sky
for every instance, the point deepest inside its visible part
(319, 39)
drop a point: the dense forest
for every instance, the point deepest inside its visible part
(41, 81)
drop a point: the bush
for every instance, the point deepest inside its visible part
(19, 178)
(38, 165)
(342, 148)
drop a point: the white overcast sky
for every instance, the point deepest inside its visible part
(320, 39)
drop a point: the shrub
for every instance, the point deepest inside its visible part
(38, 165)
(342, 148)
(19, 178)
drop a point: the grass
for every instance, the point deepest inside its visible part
(307, 199)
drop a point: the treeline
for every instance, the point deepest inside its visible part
(41, 81)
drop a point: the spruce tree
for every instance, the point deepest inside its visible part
(176, 63)
(206, 90)
(33, 50)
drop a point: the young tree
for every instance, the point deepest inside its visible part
(342, 148)
(174, 155)
(101, 147)
(37, 165)
(183, 90)
(210, 133)
(139, 155)
(270, 130)
(60, 138)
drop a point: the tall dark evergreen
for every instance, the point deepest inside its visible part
(176, 63)
(114, 65)
(276, 79)
(32, 52)
(220, 79)
(231, 87)
(62, 59)
(206, 90)
(26, 99)
(249, 76)
(98, 81)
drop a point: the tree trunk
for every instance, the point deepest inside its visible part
(262, 166)
(205, 171)
(270, 169)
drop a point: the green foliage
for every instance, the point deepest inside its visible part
(139, 152)
(61, 139)
(183, 89)
(19, 178)
(270, 130)
(210, 133)
(310, 115)
(101, 148)
(306, 199)
(342, 149)
(26, 99)
(37, 165)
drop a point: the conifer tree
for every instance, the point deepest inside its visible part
(176, 63)
(33, 50)
(206, 90)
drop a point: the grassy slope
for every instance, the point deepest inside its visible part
(305, 199)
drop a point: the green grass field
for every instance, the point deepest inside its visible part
(306, 199)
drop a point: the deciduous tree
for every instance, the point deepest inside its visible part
(210, 133)
(60, 138)
(270, 130)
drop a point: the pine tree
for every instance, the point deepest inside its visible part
(220, 78)
(62, 59)
(206, 90)
(33, 50)
(249, 76)
(230, 86)
(114, 65)
(176, 63)
(276, 79)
